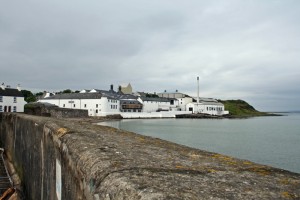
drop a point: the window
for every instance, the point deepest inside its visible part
(85, 105)
(172, 102)
(15, 99)
(96, 111)
(96, 105)
(1, 98)
(1, 109)
(74, 105)
(15, 109)
(64, 105)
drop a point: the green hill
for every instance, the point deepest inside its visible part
(240, 108)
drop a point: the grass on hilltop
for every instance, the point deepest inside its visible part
(240, 108)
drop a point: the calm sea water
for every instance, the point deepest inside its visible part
(272, 141)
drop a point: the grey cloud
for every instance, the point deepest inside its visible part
(247, 50)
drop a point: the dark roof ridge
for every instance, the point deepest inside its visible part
(11, 92)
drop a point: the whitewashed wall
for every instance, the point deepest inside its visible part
(207, 109)
(9, 101)
(95, 107)
(182, 102)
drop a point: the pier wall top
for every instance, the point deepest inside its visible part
(69, 159)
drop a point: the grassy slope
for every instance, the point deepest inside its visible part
(240, 108)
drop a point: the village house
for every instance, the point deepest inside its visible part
(208, 106)
(153, 104)
(11, 99)
(129, 103)
(182, 99)
(187, 103)
(97, 104)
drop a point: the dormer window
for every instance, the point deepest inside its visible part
(15, 99)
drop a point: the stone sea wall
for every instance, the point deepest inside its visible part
(66, 159)
(50, 110)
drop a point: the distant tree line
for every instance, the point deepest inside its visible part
(33, 97)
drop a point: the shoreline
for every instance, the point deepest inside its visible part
(185, 116)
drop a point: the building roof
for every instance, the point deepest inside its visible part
(76, 96)
(208, 103)
(126, 101)
(155, 99)
(212, 103)
(127, 96)
(11, 92)
(203, 99)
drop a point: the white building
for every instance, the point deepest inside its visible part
(207, 106)
(152, 104)
(187, 103)
(183, 99)
(129, 103)
(97, 104)
(11, 100)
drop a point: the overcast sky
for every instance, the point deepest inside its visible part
(240, 49)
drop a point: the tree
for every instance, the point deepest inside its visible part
(67, 91)
(28, 96)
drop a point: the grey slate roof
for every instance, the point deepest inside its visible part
(127, 96)
(212, 103)
(11, 92)
(155, 99)
(76, 96)
(130, 101)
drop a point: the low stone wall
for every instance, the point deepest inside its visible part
(49, 110)
(59, 159)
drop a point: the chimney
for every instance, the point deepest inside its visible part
(19, 87)
(111, 87)
(176, 90)
(3, 86)
(198, 90)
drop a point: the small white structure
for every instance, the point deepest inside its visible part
(97, 104)
(182, 99)
(11, 100)
(152, 104)
(207, 106)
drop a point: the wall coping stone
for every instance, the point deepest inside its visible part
(115, 164)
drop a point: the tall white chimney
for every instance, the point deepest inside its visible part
(19, 87)
(197, 90)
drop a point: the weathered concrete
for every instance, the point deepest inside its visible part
(105, 163)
